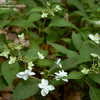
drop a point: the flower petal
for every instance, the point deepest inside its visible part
(44, 92)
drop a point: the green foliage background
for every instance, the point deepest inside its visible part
(64, 35)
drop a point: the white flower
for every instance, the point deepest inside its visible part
(57, 8)
(30, 64)
(44, 15)
(45, 87)
(61, 75)
(21, 36)
(5, 53)
(58, 62)
(95, 38)
(40, 55)
(85, 71)
(25, 75)
(97, 22)
(95, 55)
(48, 4)
(12, 60)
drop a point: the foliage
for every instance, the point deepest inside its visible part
(44, 37)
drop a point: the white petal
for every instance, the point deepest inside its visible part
(94, 55)
(66, 80)
(51, 87)
(58, 61)
(40, 85)
(20, 75)
(32, 73)
(25, 77)
(40, 55)
(44, 81)
(44, 92)
(91, 36)
(12, 60)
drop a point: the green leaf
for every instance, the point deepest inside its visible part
(95, 77)
(74, 62)
(9, 71)
(63, 50)
(75, 75)
(34, 17)
(31, 54)
(76, 3)
(89, 48)
(60, 22)
(94, 93)
(3, 84)
(45, 63)
(77, 40)
(25, 89)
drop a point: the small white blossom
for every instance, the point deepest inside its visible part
(95, 55)
(21, 36)
(61, 75)
(58, 62)
(45, 87)
(48, 4)
(12, 60)
(57, 8)
(30, 64)
(40, 55)
(5, 53)
(95, 38)
(25, 75)
(85, 71)
(97, 22)
(44, 15)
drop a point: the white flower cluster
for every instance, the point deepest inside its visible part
(85, 71)
(61, 75)
(28, 72)
(6, 54)
(44, 85)
(50, 11)
(95, 38)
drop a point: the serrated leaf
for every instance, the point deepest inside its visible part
(9, 71)
(25, 89)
